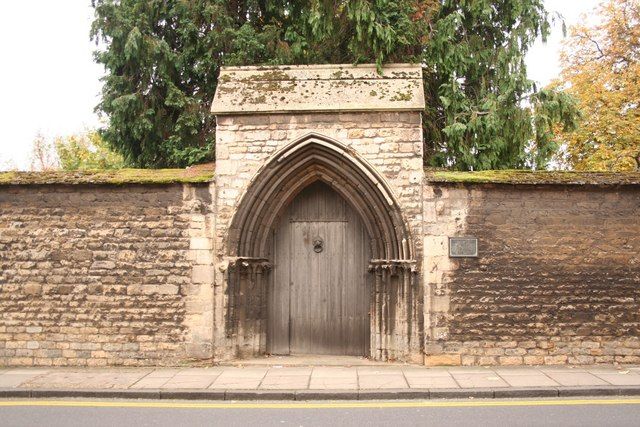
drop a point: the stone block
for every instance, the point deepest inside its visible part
(203, 274)
(200, 243)
(103, 265)
(510, 360)
(32, 289)
(442, 360)
(555, 360)
(168, 289)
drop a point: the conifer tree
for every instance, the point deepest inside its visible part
(162, 59)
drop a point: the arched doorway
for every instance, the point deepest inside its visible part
(319, 297)
(394, 300)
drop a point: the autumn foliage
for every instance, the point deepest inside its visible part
(601, 69)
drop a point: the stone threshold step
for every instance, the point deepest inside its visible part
(305, 395)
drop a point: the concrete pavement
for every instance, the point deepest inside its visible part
(318, 382)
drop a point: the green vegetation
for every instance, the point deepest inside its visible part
(86, 151)
(205, 173)
(163, 57)
(533, 177)
(116, 177)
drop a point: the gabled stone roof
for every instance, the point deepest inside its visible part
(318, 88)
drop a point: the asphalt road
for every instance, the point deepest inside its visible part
(553, 412)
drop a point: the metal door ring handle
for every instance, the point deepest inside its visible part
(318, 245)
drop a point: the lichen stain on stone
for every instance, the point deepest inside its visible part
(401, 96)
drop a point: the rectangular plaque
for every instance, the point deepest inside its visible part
(463, 247)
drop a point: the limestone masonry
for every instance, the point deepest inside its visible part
(175, 268)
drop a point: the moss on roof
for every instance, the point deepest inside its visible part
(197, 174)
(534, 178)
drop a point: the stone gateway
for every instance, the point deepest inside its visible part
(319, 231)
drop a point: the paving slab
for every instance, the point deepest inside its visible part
(508, 370)
(469, 370)
(518, 380)
(155, 379)
(29, 371)
(349, 383)
(149, 383)
(201, 371)
(620, 378)
(333, 378)
(291, 382)
(425, 372)
(432, 382)
(479, 380)
(366, 381)
(14, 380)
(367, 370)
(560, 368)
(239, 379)
(608, 369)
(574, 378)
(190, 381)
(334, 372)
(289, 372)
(91, 379)
(244, 372)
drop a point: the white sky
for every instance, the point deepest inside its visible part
(49, 83)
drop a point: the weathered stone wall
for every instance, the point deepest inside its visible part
(105, 275)
(124, 274)
(391, 142)
(557, 279)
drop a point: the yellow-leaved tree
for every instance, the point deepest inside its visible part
(601, 68)
(85, 151)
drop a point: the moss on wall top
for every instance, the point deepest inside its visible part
(533, 178)
(195, 174)
(205, 173)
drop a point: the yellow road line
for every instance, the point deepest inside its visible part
(317, 405)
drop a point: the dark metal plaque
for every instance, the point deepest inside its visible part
(463, 247)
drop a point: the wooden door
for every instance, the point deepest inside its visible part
(319, 297)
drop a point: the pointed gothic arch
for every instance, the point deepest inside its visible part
(308, 159)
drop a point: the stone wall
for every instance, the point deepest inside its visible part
(124, 274)
(105, 275)
(557, 279)
(390, 141)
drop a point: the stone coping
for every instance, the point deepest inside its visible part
(197, 174)
(534, 177)
(318, 88)
(205, 173)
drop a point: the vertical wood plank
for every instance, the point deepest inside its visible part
(320, 302)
